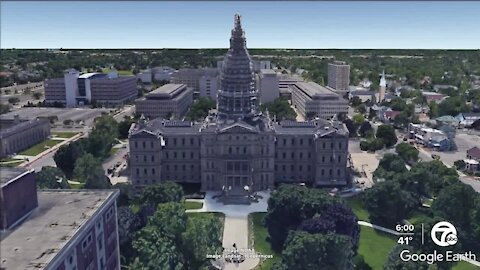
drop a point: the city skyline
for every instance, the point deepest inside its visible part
(304, 25)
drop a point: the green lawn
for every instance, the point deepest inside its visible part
(261, 244)
(464, 266)
(38, 148)
(76, 186)
(416, 216)
(192, 205)
(113, 151)
(374, 247)
(358, 208)
(64, 134)
(120, 72)
(12, 164)
(135, 207)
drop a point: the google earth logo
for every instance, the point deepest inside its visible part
(447, 232)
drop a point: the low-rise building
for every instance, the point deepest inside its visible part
(472, 161)
(433, 96)
(467, 119)
(167, 100)
(363, 94)
(56, 229)
(447, 120)
(18, 134)
(104, 89)
(430, 137)
(267, 82)
(314, 100)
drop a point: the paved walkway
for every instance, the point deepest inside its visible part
(235, 229)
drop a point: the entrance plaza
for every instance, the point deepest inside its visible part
(235, 228)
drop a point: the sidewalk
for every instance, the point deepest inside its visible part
(49, 150)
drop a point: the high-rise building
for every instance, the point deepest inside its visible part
(339, 76)
(56, 229)
(238, 150)
(105, 89)
(268, 85)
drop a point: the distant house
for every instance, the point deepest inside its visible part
(447, 120)
(386, 114)
(430, 137)
(467, 119)
(472, 162)
(438, 87)
(363, 95)
(433, 96)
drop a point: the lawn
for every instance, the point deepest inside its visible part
(65, 135)
(375, 246)
(76, 185)
(192, 205)
(416, 216)
(113, 151)
(12, 164)
(261, 244)
(358, 208)
(464, 266)
(38, 148)
(120, 72)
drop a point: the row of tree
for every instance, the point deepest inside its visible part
(82, 159)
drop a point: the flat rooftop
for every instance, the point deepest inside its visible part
(59, 216)
(314, 90)
(7, 174)
(167, 91)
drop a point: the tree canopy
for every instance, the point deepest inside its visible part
(51, 178)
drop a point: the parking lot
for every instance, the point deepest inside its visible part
(74, 114)
(464, 142)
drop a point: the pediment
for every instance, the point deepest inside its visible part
(238, 128)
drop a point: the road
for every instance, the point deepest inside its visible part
(129, 110)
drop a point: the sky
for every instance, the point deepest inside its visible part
(198, 24)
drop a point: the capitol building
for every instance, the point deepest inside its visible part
(237, 149)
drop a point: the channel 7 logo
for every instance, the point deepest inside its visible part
(447, 233)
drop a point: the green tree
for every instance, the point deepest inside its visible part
(394, 262)
(37, 95)
(388, 204)
(288, 206)
(398, 104)
(89, 170)
(452, 106)
(358, 119)
(459, 164)
(366, 130)
(124, 127)
(433, 109)
(280, 109)
(158, 244)
(4, 108)
(13, 100)
(355, 101)
(387, 134)
(455, 203)
(67, 155)
(317, 251)
(201, 237)
(162, 193)
(199, 109)
(51, 178)
(433, 175)
(407, 152)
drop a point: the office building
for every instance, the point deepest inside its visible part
(19, 134)
(339, 76)
(267, 81)
(238, 150)
(203, 81)
(313, 100)
(56, 229)
(284, 82)
(166, 101)
(76, 89)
